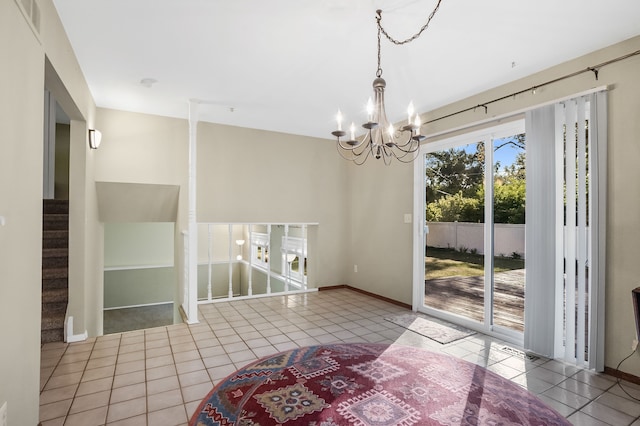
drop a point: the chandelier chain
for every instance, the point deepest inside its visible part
(410, 39)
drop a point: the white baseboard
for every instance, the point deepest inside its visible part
(69, 337)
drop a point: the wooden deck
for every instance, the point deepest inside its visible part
(465, 296)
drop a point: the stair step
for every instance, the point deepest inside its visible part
(55, 206)
(51, 273)
(54, 335)
(54, 295)
(55, 252)
(55, 222)
(57, 257)
(55, 239)
(54, 283)
(55, 274)
(53, 320)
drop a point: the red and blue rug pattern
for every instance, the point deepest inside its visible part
(366, 384)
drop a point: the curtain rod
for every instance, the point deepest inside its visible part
(595, 69)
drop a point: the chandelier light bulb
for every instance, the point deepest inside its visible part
(410, 111)
(391, 130)
(369, 110)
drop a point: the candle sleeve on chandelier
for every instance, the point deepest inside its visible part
(369, 110)
(418, 124)
(353, 131)
(339, 119)
(410, 111)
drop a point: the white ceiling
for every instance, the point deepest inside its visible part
(288, 65)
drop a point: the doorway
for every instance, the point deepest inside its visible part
(471, 251)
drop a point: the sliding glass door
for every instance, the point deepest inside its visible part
(472, 206)
(454, 266)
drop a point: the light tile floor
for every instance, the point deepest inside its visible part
(158, 376)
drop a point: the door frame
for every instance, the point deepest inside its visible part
(419, 227)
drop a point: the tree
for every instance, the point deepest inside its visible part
(455, 187)
(452, 171)
(455, 208)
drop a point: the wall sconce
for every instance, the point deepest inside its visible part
(95, 137)
(240, 243)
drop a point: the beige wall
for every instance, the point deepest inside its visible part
(21, 115)
(23, 76)
(247, 175)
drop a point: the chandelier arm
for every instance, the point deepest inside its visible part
(409, 143)
(342, 155)
(401, 159)
(410, 39)
(386, 156)
(399, 153)
(364, 159)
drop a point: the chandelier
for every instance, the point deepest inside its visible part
(381, 140)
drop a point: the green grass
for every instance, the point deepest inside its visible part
(441, 262)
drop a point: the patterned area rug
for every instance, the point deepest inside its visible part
(441, 333)
(367, 384)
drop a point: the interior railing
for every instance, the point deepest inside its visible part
(244, 260)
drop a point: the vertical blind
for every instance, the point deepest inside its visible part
(566, 205)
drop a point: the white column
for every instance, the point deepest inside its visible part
(190, 306)
(250, 277)
(287, 264)
(270, 258)
(303, 257)
(230, 261)
(209, 243)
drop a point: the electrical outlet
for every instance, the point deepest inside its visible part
(3, 414)
(355, 268)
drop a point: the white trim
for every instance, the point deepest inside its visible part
(488, 229)
(69, 337)
(419, 230)
(169, 302)
(255, 296)
(189, 304)
(134, 267)
(262, 223)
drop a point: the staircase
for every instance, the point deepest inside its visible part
(55, 273)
